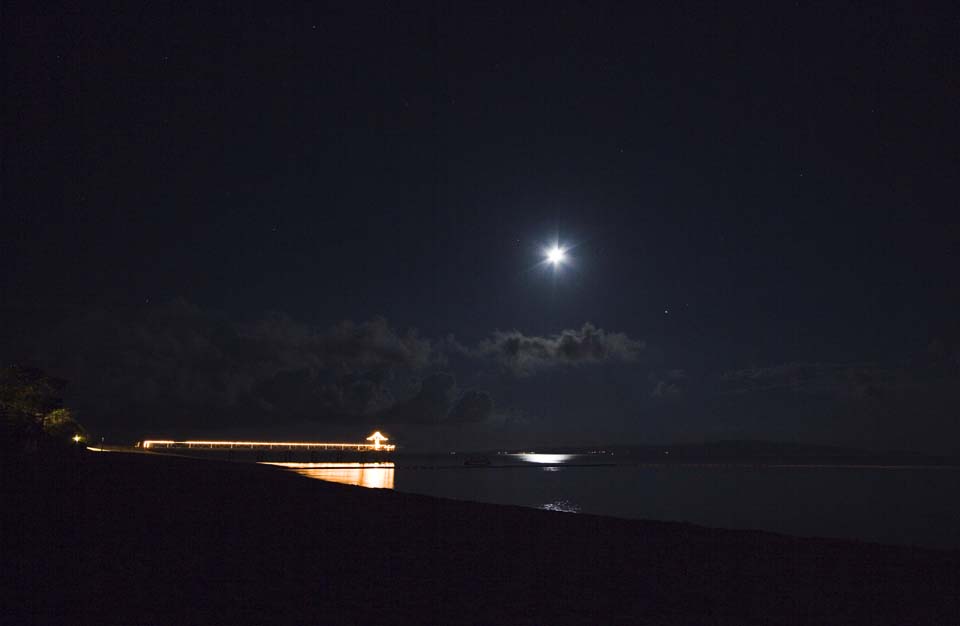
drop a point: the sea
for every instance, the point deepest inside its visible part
(901, 505)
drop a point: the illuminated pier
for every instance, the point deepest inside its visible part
(312, 446)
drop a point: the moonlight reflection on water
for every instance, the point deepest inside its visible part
(544, 458)
(563, 506)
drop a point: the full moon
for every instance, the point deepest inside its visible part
(556, 255)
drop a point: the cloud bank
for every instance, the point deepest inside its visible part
(525, 355)
(175, 366)
(175, 369)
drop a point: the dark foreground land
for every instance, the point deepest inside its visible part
(141, 539)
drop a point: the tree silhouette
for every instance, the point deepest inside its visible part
(31, 409)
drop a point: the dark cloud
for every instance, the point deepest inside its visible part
(668, 383)
(176, 366)
(429, 405)
(817, 378)
(472, 407)
(437, 402)
(899, 405)
(524, 355)
(348, 346)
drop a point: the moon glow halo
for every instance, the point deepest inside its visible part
(556, 255)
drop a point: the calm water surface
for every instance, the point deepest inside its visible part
(898, 505)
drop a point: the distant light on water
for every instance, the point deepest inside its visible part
(370, 475)
(563, 506)
(531, 457)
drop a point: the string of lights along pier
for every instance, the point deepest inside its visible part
(377, 445)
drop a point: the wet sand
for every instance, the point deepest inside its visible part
(144, 539)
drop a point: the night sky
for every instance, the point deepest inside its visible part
(306, 223)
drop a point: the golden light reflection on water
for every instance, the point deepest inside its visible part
(371, 475)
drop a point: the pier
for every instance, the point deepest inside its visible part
(376, 445)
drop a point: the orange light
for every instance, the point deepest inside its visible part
(377, 438)
(370, 475)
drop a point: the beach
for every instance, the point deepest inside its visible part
(146, 539)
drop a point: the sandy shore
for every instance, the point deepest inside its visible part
(141, 539)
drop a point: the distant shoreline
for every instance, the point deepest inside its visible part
(402, 460)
